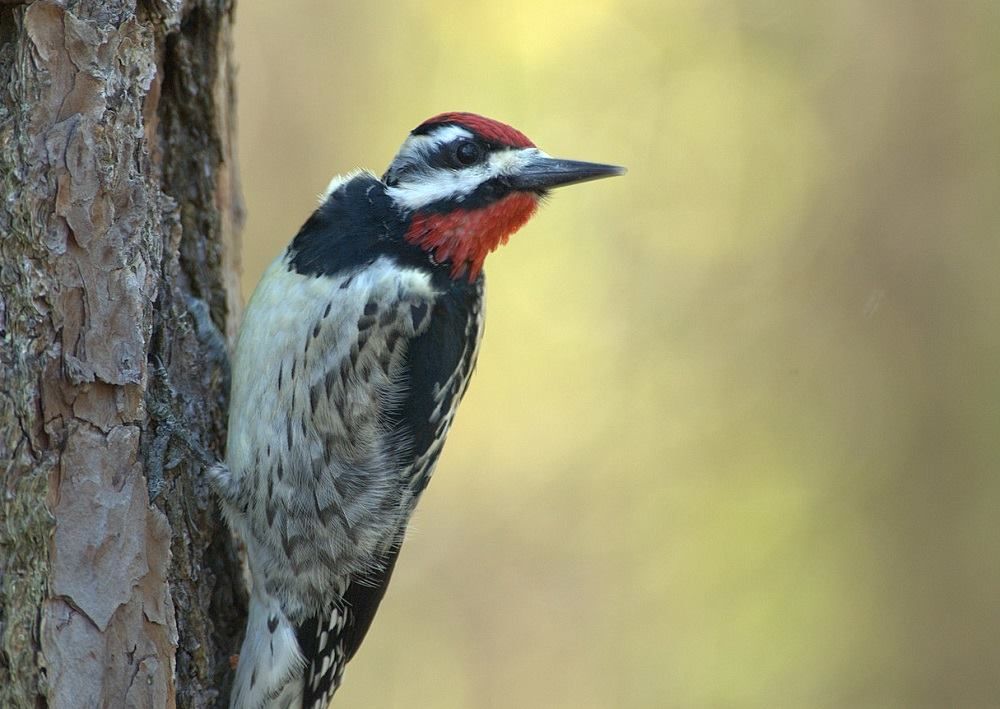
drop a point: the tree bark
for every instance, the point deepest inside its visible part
(118, 248)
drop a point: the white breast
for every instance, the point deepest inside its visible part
(278, 321)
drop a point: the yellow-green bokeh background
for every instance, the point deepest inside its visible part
(733, 439)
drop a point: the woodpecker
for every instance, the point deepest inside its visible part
(354, 352)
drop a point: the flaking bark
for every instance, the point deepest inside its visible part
(118, 246)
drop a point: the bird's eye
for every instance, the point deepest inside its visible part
(468, 152)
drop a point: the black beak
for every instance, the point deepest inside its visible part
(544, 173)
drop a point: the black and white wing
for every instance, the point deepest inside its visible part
(433, 376)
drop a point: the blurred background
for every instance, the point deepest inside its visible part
(733, 439)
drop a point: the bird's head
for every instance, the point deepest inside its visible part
(466, 183)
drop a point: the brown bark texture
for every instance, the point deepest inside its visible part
(119, 587)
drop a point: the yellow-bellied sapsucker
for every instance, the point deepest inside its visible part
(354, 352)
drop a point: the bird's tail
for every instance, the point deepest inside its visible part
(270, 670)
(322, 642)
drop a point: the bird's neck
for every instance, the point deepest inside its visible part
(464, 237)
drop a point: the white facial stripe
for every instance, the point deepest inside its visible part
(444, 134)
(417, 147)
(418, 189)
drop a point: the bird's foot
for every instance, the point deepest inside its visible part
(160, 404)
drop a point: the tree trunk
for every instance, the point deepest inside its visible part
(118, 247)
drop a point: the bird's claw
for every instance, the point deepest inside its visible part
(160, 397)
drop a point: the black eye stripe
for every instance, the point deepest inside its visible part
(447, 155)
(427, 158)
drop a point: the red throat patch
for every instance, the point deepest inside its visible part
(466, 236)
